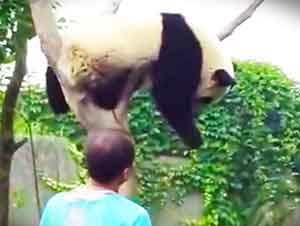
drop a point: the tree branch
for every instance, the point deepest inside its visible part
(11, 94)
(117, 5)
(241, 18)
(19, 144)
(46, 29)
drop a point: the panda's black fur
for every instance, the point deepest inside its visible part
(175, 79)
(55, 94)
(176, 74)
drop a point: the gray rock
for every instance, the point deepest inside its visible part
(53, 160)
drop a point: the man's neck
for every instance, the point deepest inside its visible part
(101, 186)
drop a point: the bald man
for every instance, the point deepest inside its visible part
(109, 156)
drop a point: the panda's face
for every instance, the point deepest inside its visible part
(213, 87)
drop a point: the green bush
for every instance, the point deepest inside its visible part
(250, 156)
(251, 143)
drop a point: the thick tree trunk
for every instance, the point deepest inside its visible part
(5, 163)
(8, 145)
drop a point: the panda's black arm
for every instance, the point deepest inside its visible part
(184, 125)
(176, 77)
(55, 94)
(178, 113)
(190, 134)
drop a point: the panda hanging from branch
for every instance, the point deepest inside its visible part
(96, 66)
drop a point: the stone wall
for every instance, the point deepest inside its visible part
(53, 160)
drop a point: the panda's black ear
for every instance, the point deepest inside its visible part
(55, 94)
(223, 78)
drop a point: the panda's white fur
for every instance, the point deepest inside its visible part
(129, 40)
(116, 42)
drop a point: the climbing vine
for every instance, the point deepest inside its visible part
(250, 157)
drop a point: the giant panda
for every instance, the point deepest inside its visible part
(103, 62)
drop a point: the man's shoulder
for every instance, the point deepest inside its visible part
(129, 203)
(132, 210)
(82, 195)
(55, 199)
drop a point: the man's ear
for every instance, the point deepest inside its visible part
(126, 174)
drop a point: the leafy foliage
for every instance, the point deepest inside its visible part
(15, 23)
(249, 159)
(34, 107)
(251, 143)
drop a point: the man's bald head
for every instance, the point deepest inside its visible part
(108, 154)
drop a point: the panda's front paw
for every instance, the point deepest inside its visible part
(194, 140)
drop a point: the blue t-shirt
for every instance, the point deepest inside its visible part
(87, 207)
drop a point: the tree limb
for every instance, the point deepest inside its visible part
(117, 5)
(46, 29)
(241, 18)
(11, 94)
(19, 144)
